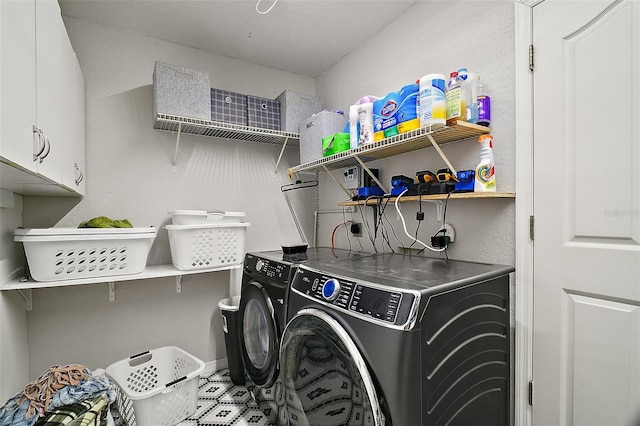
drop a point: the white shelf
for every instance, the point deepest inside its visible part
(435, 197)
(25, 285)
(194, 126)
(150, 272)
(423, 137)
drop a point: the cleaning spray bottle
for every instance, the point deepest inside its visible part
(485, 180)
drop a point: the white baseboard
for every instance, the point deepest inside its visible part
(215, 365)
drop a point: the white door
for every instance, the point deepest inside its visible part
(586, 356)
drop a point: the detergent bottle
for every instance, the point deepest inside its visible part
(455, 100)
(484, 104)
(469, 86)
(485, 180)
(354, 127)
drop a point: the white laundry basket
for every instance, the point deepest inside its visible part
(207, 246)
(205, 217)
(162, 384)
(55, 254)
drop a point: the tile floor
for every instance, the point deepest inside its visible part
(221, 403)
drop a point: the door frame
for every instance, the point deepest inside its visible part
(524, 279)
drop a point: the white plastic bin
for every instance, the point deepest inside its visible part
(55, 254)
(162, 384)
(205, 217)
(207, 246)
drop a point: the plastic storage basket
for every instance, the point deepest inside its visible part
(206, 246)
(205, 217)
(55, 254)
(161, 383)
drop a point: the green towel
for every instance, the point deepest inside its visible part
(105, 222)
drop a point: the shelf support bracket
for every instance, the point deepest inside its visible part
(439, 204)
(346, 191)
(28, 298)
(370, 173)
(444, 157)
(112, 291)
(284, 145)
(178, 283)
(175, 154)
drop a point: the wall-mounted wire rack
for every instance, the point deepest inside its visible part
(193, 126)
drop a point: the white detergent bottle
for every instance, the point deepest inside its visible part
(354, 136)
(485, 180)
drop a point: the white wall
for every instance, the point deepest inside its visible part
(129, 175)
(13, 316)
(437, 37)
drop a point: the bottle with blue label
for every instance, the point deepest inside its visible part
(407, 114)
(384, 116)
(432, 101)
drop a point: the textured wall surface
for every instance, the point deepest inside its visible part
(129, 175)
(440, 37)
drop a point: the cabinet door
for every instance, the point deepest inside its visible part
(53, 105)
(73, 174)
(18, 83)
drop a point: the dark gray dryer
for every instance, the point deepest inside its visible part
(397, 340)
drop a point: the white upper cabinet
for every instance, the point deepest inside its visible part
(74, 155)
(42, 93)
(18, 83)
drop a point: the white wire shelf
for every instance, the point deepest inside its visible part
(194, 126)
(395, 145)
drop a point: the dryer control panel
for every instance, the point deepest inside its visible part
(362, 299)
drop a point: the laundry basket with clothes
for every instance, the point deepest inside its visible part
(63, 395)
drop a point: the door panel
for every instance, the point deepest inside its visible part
(587, 211)
(18, 82)
(610, 379)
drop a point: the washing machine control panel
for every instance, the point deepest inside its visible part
(267, 268)
(384, 304)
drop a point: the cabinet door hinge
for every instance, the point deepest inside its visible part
(532, 222)
(531, 57)
(531, 392)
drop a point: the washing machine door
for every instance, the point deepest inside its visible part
(260, 337)
(326, 380)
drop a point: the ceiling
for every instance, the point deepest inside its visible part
(300, 36)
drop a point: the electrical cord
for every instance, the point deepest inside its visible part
(404, 226)
(333, 233)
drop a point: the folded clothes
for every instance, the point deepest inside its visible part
(49, 392)
(90, 412)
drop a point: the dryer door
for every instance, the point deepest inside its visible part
(260, 335)
(326, 380)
